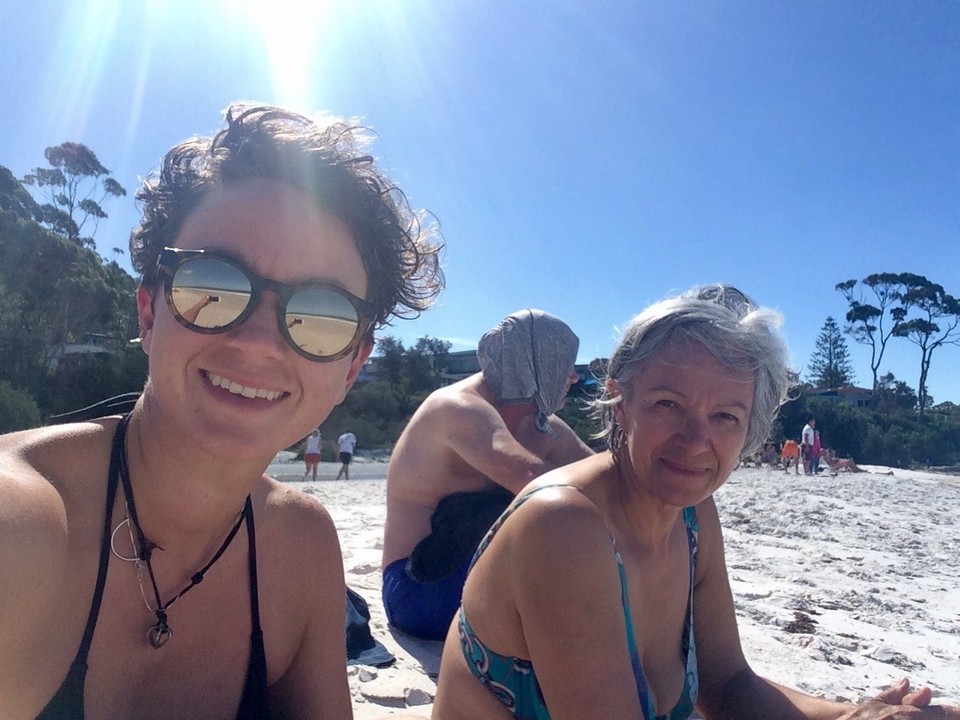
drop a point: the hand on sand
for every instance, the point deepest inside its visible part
(898, 703)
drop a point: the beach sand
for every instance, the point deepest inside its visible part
(864, 568)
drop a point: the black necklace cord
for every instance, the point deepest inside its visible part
(145, 549)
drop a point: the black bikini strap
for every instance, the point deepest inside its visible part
(252, 564)
(113, 474)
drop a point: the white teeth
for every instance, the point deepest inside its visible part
(238, 389)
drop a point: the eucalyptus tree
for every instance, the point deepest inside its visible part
(868, 320)
(76, 185)
(927, 316)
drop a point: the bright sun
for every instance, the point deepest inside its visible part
(291, 31)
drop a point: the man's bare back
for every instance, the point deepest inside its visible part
(459, 440)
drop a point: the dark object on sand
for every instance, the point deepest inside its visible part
(456, 528)
(362, 649)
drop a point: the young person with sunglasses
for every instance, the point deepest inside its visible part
(148, 567)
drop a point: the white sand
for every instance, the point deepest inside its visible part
(873, 560)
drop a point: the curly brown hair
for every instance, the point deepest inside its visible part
(399, 248)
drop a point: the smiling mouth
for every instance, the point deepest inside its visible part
(248, 392)
(680, 468)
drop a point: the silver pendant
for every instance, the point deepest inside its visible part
(159, 634)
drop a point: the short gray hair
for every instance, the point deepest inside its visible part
(732, 327)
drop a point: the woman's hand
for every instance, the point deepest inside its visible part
(898, 703)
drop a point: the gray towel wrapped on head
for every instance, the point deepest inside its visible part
(529, 356)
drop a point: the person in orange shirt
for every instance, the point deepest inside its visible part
(790, 452)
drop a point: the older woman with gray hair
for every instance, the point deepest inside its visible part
(602, 591)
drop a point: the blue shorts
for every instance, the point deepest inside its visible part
(421, 609)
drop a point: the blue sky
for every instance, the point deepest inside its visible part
(586, 158)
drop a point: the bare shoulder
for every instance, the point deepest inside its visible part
(58, 453)
(450, 417)
(40, 471)
(293, 516)
(32, 513)
(454, 401)
(556, 520)
(298, 545)
(557, 538)
(302, 595)
(46, 480)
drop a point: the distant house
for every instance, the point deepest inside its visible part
(459, 365)
(848, 395)
(91, 344)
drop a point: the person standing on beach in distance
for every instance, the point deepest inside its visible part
(815, 453)
(602, 592)
(790, 453)
(307, 248)
(345, 445)
(806, 445)
(465, 453)
(311, 453)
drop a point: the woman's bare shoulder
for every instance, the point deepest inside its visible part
(48, 477)
(554, 519)
(295, 520)
(45, 491)
(57, 454)
(39, 466)
(297, 547)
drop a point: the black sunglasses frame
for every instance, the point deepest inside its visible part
(170, 260)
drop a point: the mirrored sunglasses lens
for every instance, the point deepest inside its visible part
(209, 293)
(321, 322)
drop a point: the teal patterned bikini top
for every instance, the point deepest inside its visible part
(513, 681)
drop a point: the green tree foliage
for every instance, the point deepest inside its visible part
(894, 396)
(15, 199)
(906, 306)
(55, 293)
(576, 413)
(869, 322)
(18, 411)
(76, 184)
(928, 317)
(377, 410)
(425, 363)
(830, 365)
(415, 372)
(887, 433)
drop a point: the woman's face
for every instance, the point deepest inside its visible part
(246, 392)
(684, 418)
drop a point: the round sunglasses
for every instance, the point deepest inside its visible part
(209, 293)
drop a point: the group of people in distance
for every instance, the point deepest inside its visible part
(269, 254)
(807, 454)
(313, 449)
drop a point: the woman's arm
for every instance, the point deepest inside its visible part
(730, 690)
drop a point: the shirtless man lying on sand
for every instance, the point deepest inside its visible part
(473, 445)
